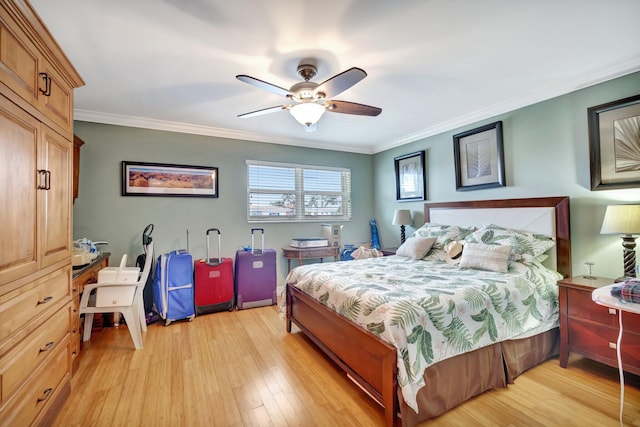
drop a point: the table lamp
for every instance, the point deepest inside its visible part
(402, 217)
(624, 220)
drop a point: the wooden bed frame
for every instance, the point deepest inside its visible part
(368, 360)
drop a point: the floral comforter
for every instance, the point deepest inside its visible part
(431, 311)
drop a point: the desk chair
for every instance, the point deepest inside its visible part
(128, 300)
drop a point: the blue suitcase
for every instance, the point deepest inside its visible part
(173, 286)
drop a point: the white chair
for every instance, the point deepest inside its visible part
(122, 297)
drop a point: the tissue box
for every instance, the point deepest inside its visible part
(331, 232)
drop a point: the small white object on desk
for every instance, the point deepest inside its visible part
(602, 296)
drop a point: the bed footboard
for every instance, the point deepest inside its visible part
(369, 361)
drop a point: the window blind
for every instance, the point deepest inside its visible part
(293, 192)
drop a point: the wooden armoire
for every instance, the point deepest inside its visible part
(37, 319)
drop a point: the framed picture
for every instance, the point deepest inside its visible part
(479, 158)
(614, 144)
(410, 176)
(158, 179)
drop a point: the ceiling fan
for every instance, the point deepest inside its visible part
(311, 100)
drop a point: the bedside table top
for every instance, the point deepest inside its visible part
(581, 282)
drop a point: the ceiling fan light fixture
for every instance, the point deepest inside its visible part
(307, 113)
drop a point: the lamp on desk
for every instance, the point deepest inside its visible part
(625, 220)
(402, 217)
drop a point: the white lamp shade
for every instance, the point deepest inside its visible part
(402, 217)
(621, 219)
(307, 113)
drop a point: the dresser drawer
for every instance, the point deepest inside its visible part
(23, 305)
(24, 407)
(599, 342)
(23, 359)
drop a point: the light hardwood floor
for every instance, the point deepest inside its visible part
(243, 369)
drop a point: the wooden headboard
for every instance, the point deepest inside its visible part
(554, 212)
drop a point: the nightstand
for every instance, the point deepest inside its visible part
(591, 330)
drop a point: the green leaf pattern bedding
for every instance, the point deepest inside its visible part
(431, 311)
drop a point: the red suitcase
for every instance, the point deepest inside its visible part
(214, 281)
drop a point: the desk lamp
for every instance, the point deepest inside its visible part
(402, 217)
(624, 220)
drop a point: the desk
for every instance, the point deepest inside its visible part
(81, 277)
(603, 297)
(289, 252)
(590, 329)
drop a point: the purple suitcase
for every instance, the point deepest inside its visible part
(255, 275)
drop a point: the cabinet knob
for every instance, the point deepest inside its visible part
(47, 84)
(47, 346)
(45, 300)
(45, 395)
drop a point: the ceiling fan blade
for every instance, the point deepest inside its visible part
(340, 82)
(263, 111)
(264, 85)
(345, 107)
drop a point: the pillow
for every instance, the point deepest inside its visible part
(415, 247)
(486, 257)
(443, 234)
(526, 246)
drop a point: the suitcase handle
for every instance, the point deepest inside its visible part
(214, 261)
(255, 251)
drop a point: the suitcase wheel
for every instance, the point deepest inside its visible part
(167, 322)
(191, 318)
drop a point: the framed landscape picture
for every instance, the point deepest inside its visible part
(614, 144)
(159, 179)
(479, 158)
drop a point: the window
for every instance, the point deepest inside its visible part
(289, 192)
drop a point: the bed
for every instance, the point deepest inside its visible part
(380, 367)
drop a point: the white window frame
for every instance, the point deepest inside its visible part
(299, 213)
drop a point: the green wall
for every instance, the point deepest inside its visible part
(546, 154)
(101, 213)
(546, 151)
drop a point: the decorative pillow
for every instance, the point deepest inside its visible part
(526, 246)
(443, 234)
(415, 247)
(486, 257)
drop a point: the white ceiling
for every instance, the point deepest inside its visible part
(433, 65)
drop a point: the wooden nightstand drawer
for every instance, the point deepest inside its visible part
(581, 306)
(599, 343)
